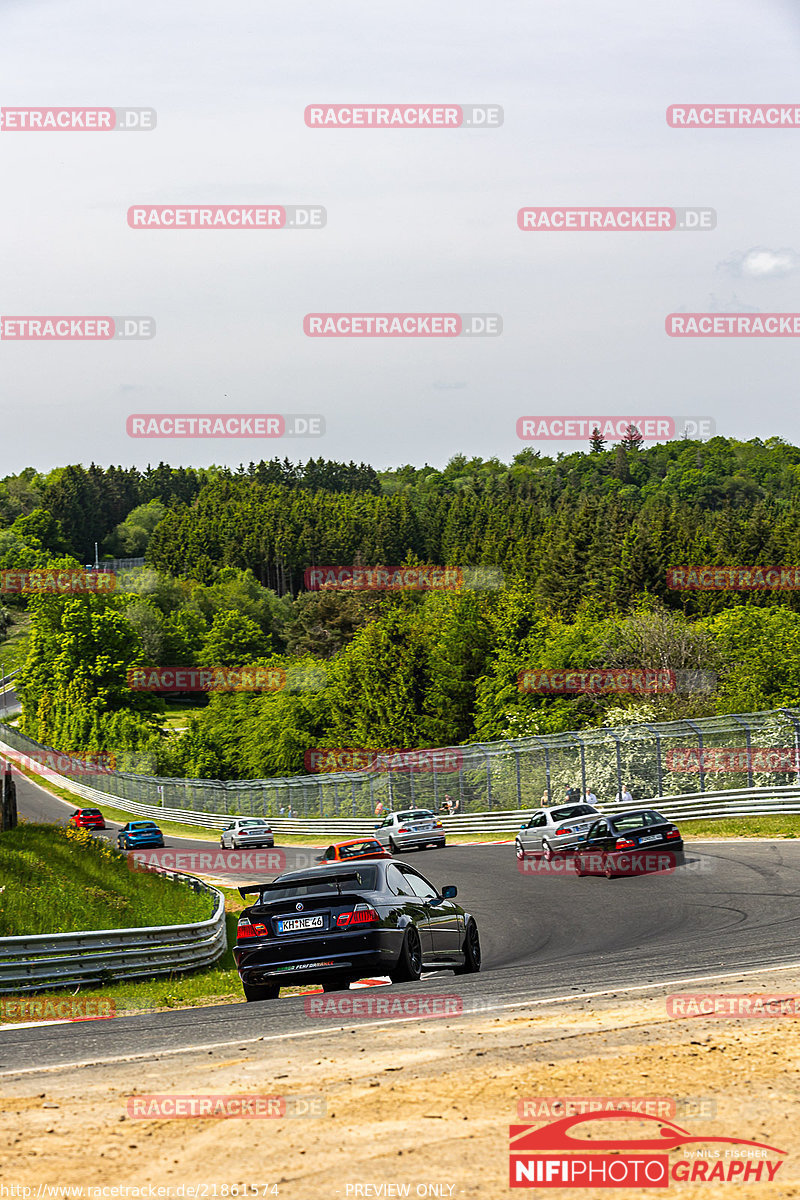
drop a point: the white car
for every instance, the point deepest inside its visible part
(555, 830)
(412, 829)
(248, 831)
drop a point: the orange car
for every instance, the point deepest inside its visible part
(347, 851)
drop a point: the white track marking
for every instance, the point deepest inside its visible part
(282, 1037)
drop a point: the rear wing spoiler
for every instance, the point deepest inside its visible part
(337, 877)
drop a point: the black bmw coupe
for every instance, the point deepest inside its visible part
(335, 924)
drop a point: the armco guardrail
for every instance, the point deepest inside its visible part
(102, 955)
(688, 806)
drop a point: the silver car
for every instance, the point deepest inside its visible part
(249, 831)
(414, 828)
(555, 830)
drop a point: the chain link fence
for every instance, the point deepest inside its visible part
(661, 759)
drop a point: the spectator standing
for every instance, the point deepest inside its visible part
(589, 796)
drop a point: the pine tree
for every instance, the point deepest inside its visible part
(633, 439)
(597, 443)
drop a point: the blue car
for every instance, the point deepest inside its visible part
(139, 833)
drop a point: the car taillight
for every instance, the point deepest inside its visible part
(402, 829)
(673, 833)
(625, 844)
(250, 929)
(561, 832)
(362, 914)
(439, 825)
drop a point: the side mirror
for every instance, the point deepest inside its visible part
(450, 892)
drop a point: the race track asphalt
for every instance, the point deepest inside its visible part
(732, 907)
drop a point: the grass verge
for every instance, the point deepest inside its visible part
(785, 826)
(14, 648)
(57, 879)
(214, 985)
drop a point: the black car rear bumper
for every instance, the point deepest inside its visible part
(651, 859)
(312, 960)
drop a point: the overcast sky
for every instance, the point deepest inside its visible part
(417, 221)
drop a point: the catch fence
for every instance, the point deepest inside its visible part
(711, 755)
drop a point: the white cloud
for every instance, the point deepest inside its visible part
(761, 263)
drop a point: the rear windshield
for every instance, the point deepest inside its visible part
(255, 821)
(417, 814)
(143, 825)
(577, 810)
(366, 878)
(634, 820)
(91, 812)
(360, 848)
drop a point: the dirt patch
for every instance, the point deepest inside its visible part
(423, 1104)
